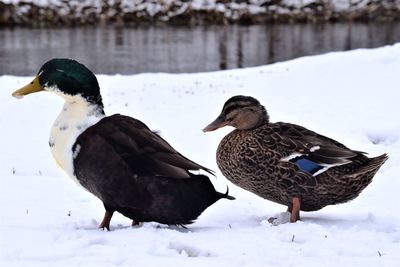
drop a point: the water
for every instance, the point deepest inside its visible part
(183, 49)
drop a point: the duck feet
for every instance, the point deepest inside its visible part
(136, 223)
(105, 223)
(291, 215)
(281, 218)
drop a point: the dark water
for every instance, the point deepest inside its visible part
(181, 49)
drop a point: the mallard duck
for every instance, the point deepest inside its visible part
(131, 169)
(287, 163)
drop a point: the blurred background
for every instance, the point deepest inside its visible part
(179, 36)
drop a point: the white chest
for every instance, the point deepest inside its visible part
(75, 117)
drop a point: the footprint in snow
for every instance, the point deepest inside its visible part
(384, 138)
(189, 251)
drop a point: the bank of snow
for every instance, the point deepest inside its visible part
(191, 12)
(46, 220)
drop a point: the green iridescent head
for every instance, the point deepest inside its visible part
(65, 77)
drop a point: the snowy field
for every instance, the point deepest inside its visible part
(46, 220)
(199, 4)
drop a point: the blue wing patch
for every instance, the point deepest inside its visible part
(306, 164)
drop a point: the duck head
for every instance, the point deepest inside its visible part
(67, 78)
(240, 112)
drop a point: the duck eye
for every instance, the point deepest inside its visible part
(230, 118)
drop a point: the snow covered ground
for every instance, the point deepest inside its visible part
(200, 4)
(32, 11)
(46, 220)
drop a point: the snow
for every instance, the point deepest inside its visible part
(46, 220)
(153, 7)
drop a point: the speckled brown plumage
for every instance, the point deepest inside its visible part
(251, 159)
(257, 158)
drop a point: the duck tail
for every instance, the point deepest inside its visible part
(373, 165)
(226, 194)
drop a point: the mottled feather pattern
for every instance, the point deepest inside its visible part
(252, 160)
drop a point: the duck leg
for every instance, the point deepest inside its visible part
(105, 224)
(135, 223)
(294, 209)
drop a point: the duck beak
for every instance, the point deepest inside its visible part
(218, 123)
(32, 87)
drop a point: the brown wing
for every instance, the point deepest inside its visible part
(317, 148)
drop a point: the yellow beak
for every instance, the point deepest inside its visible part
(32, 87)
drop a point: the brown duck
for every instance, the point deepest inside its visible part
(287, 163)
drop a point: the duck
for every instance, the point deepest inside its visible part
(286, 163)
(117, 158)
